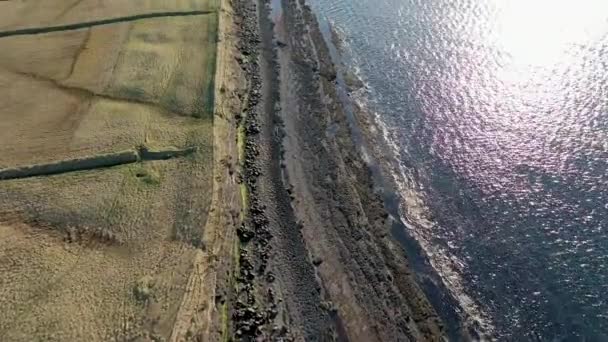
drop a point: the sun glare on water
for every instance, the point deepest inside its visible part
(540, 32)
(528, 91)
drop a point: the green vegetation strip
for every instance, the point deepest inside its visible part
(241, 136)
(213, 23)
(86, 24)
(86, 163)
(93, 162)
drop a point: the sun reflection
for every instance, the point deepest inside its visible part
(526, 91)
(540, 32)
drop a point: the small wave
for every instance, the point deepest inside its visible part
(415, 215)
(414, 212)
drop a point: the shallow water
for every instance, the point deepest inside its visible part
(496, 113)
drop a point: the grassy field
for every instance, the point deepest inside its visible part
(103, 254)
(34, 13)
(106, 88)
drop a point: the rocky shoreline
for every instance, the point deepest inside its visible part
(316, 259)
(253, 310)
(247, 318)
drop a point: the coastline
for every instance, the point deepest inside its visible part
(463, 317)
(203, 313)
(302, 170)
(317, 260)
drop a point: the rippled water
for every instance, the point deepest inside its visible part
(497, 112)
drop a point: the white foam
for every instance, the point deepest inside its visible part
(414, 214)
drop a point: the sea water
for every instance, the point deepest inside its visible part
(495, 115)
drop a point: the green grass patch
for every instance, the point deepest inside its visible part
(224, 309)
(240, 143)
(146, 175)
(170, 62)
(225, 320)
(213, 28)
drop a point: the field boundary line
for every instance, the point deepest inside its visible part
(87, 24)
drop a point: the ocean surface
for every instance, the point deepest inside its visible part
(495, 114)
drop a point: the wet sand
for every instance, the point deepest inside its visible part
(317, 260)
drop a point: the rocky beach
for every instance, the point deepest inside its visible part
(316, 259)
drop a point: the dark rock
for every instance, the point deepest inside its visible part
(317, 261)
(244, 234)
(272, 313)
(270, 277)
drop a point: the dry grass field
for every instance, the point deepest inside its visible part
(32, 13)
(104, 254)
(105, 88)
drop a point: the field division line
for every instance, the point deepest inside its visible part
(93, 162)
(87, 24)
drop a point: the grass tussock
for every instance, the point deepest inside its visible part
(147, 175)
